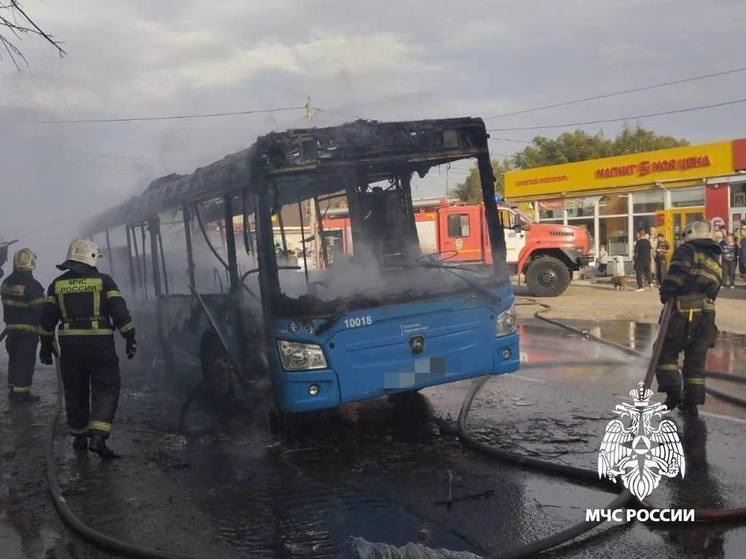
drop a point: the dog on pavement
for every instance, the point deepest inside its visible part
(618, 283)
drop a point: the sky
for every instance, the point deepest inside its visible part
(383, 60)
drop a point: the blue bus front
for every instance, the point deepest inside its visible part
(375, 351)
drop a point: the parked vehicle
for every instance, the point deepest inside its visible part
(544, 254)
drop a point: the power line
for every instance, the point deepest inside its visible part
(168, 117)
(346, 115)
(621, 92)
(622, 118)
(510, 140)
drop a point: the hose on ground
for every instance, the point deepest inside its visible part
(587, 476)
(701, 514)
(630, 351)
(624, 499)
(97, 538)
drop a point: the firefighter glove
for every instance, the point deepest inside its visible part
(131, 347)
(666, 296)
(45, 353)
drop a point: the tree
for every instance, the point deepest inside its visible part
(566, 148)
(581, 146)
(15, 23)
(638, 139)
(471, 189)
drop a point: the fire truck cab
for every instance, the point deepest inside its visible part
(544, 255)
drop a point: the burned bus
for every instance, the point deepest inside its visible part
(222, 262)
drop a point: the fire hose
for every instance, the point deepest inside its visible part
(100, 539)
(587, 476)
(623, 500)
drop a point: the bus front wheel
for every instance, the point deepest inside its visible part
(547, 277)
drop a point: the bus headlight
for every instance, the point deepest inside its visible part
(298, 356)
(506, 322)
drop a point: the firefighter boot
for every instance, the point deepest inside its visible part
(98, 445)
(690, 409)
(80, 442)
(22, 398)
(672, 401)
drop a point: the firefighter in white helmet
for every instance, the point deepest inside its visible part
(22, 298)
(88, 307)
(692, 285)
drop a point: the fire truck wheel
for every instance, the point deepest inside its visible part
(547, 277)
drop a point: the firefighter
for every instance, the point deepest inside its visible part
(3, 257)
(89, 307)
(692, 285)
(22, 298)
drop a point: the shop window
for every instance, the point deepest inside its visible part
(613, 204)
(458, 225)
(581, 207)
(551, 209)
(686, 197)
(612, 232)
(738, 195)
(644, 223)
(649, 201)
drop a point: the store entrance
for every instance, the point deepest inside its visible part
(680, 219)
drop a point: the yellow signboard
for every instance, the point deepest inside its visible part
(665, 165)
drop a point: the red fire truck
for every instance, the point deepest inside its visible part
(545, 254)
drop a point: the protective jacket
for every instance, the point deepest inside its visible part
(87, 303)
(694, 269)
(22, 298)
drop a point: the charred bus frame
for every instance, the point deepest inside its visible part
(313, 165)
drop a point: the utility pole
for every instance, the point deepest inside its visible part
(308, 206)
(309, 112)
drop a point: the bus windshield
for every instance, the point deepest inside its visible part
(374, 259)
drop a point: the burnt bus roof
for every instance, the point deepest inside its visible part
(305, 162)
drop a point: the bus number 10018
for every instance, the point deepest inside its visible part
(358, 321)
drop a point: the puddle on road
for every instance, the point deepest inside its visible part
(316, 495)
(542, 342)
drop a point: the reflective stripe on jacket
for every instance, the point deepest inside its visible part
(86, 303)
(22, 297)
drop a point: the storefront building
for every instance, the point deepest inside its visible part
(614, 197)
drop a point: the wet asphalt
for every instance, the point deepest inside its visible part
(386, 472)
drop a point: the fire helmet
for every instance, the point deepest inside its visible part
(84, 251)
(24, 260)
(699, 230)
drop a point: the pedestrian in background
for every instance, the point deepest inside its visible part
(662, 251)
(742, 251)
(730, 259)
(642, 255)
(602, 259)
(654, 273)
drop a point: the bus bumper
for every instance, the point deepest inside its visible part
(317, 390)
